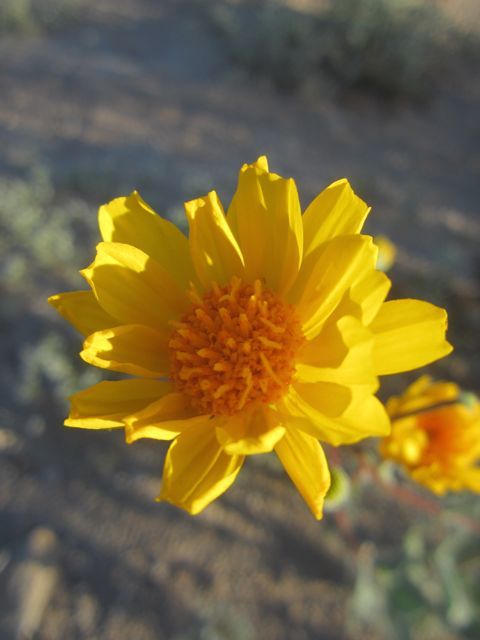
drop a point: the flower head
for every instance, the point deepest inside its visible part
(263, 330)
(387, 252)
(435, 436)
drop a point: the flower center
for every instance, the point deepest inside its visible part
(235, 347)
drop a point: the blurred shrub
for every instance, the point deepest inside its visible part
(29, 16)
(394, 48)
(272, 41)
(220, 622)
(43, 243)
(42, 240)
(424, 590)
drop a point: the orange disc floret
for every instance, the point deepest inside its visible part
(236, 346)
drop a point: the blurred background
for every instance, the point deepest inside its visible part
(171, 97)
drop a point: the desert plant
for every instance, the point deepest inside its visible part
(392, 48)
(30, 16)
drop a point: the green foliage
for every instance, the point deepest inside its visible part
(393, 48)
(220, 623)
(43, 242)
(41, 238)
(49, 367)
(425, 590)
(340, 490)
(30, 16)
(272, 41)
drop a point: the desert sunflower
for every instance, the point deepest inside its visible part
(435, 436)
(387, 253)
(264, 330)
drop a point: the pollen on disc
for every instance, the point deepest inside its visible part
(236, 346)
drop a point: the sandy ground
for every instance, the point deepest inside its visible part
(143, 96)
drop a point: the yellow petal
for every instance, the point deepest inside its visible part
(408, 334)
(306, 407)
(135, 349)
(320, 286)
(215, 252)
(106, 404)
(265, 217)
(132, 221)
(164, 419)
(327, 350)
(370, 293)
(325, 397)
(250, 432)
(261, 163)
(364, 298)
(133, 287)
(434, 478)
(82, 310)
(337, 211)
(366, 417)
(197, 470)
(341, 353)
(422, 394)
(471, 479)
(304, 461)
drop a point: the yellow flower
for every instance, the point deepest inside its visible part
(264, 330)
(435, 436)
(387, 253)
